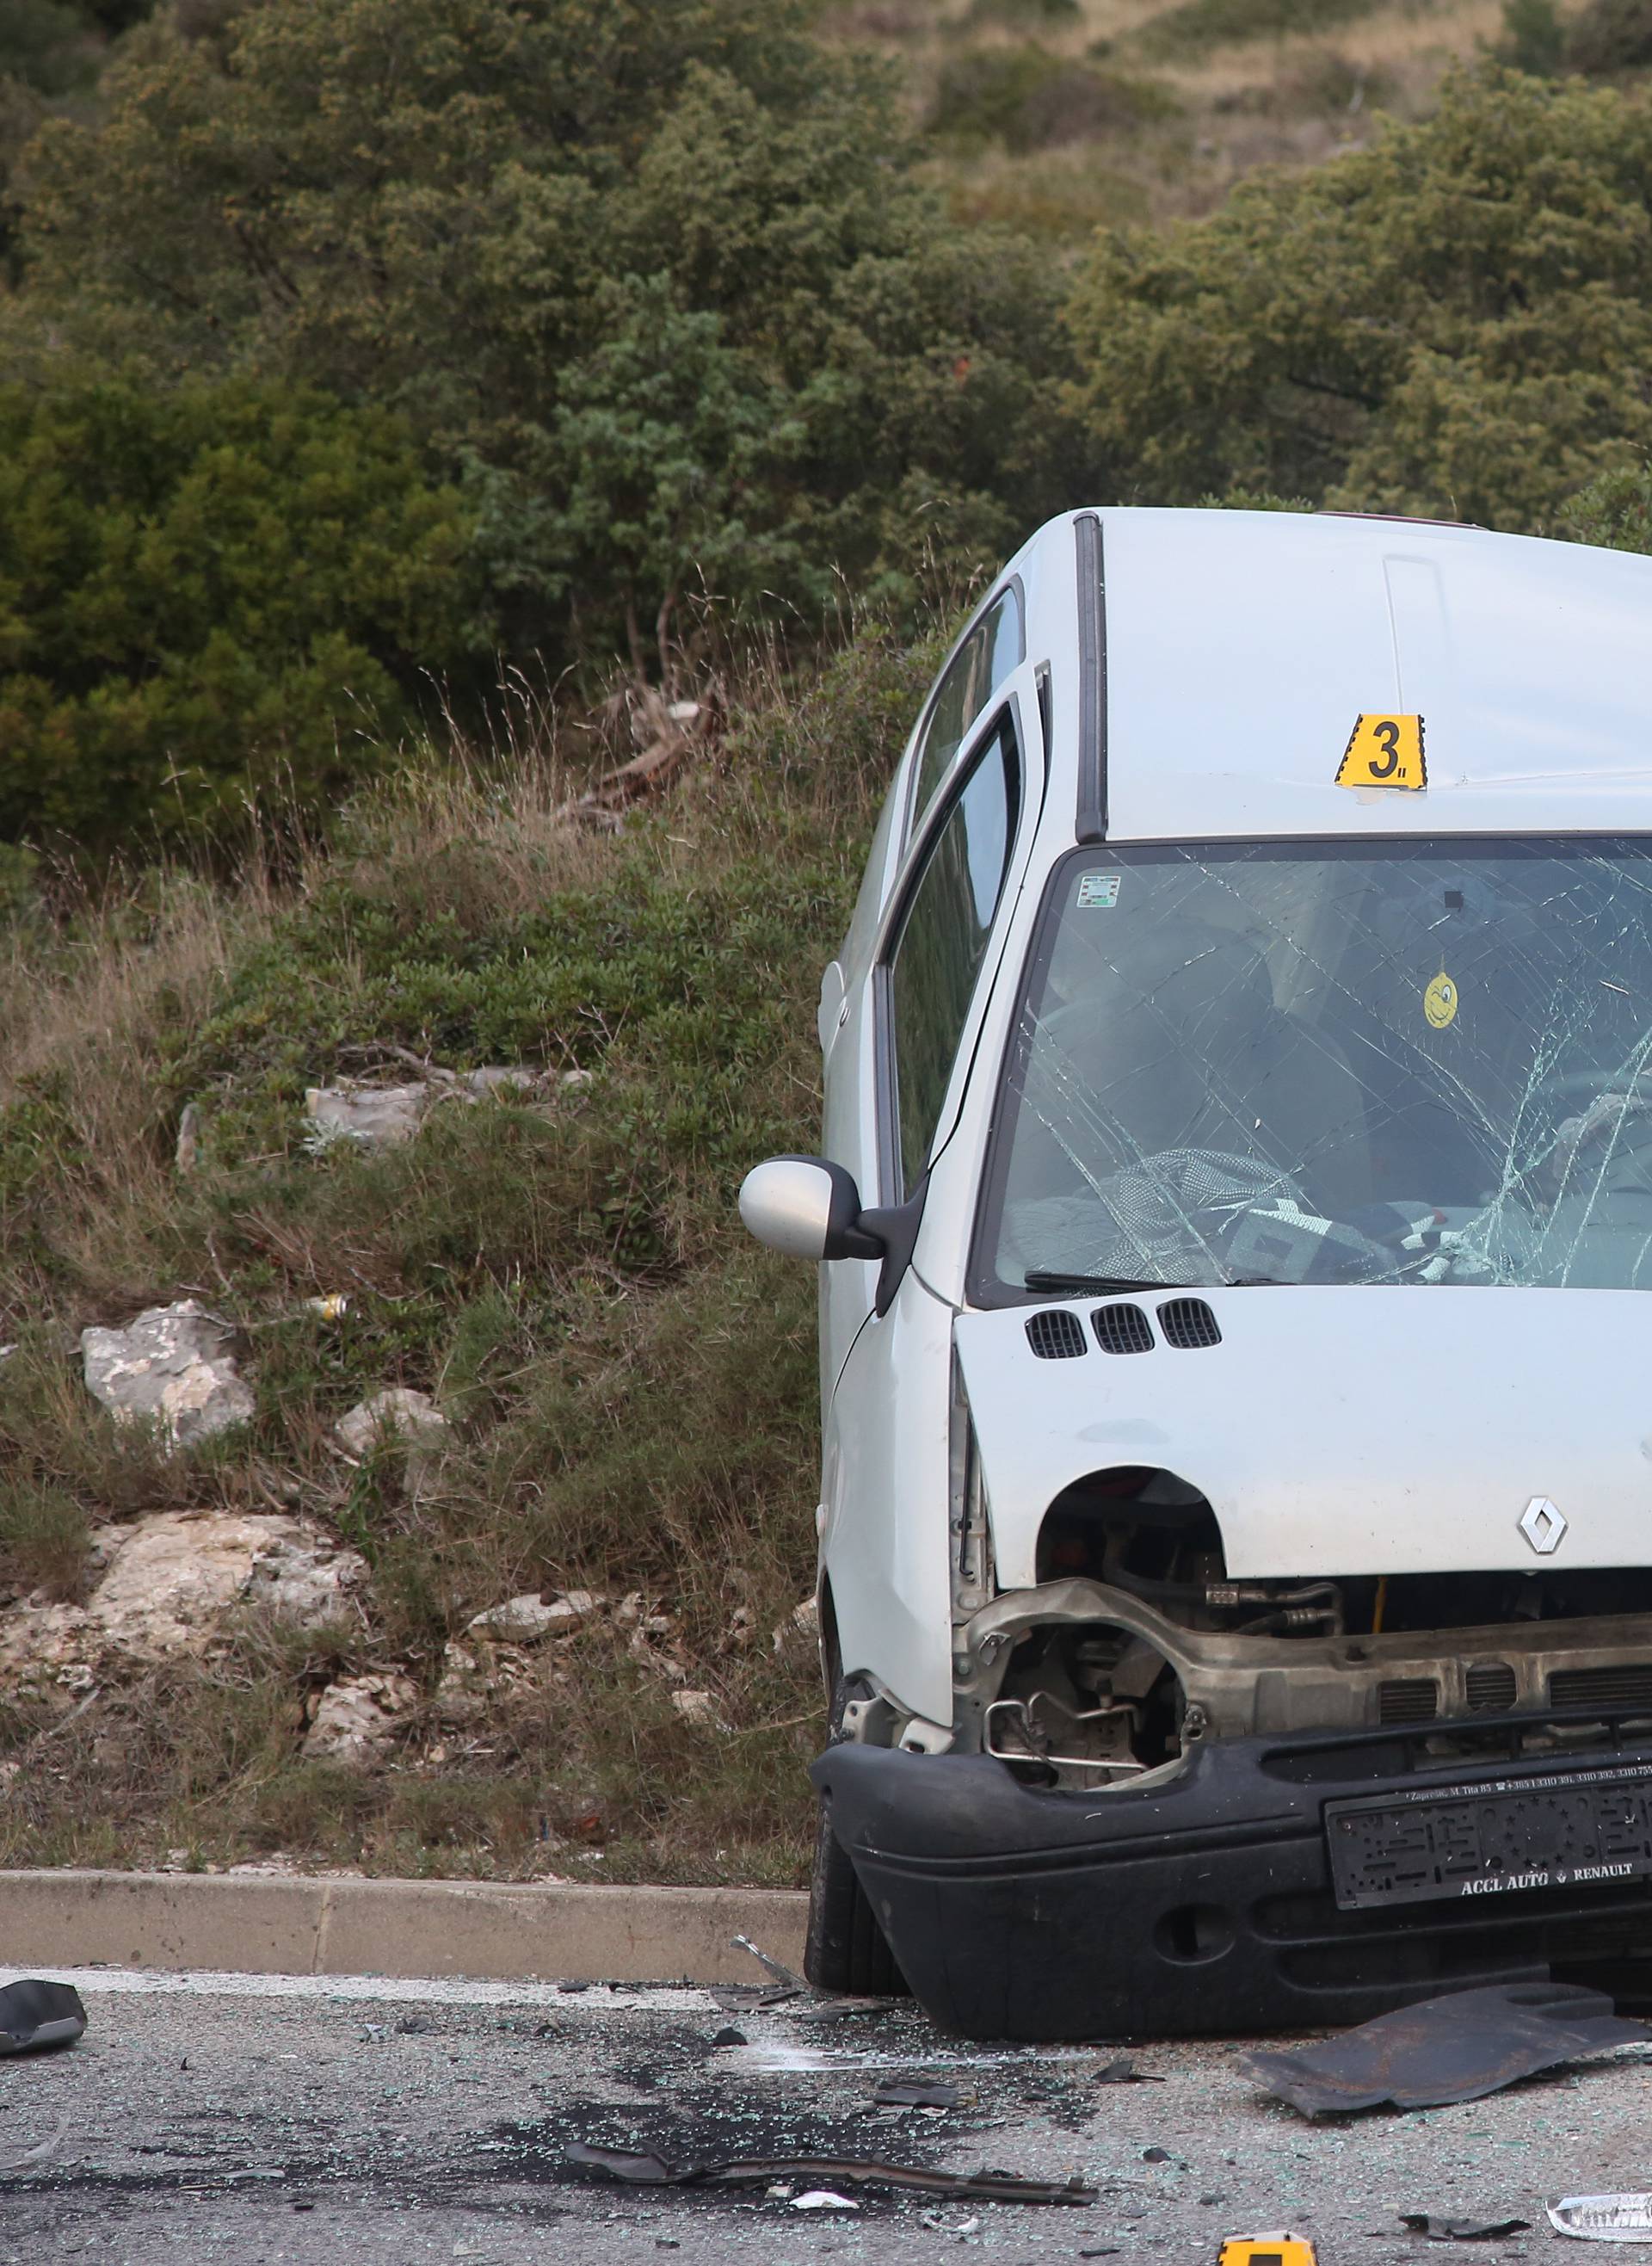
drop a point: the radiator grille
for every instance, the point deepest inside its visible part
(1629, 1685)
(1409, 1699)
(1189, 1323)
(1054, 1334)
(1491, 1686)
(1123, 1329)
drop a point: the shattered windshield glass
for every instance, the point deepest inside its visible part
(1400, 1062)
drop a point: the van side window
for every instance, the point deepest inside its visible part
(942, 940)
(993, 649)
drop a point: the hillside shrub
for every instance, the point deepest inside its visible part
(1194, 24)
(1030, 99)
(654, 272)
(211, 596)
(1456, 322)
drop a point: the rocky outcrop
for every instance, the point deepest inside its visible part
(360, 1718)
(383, 1117)
(165, 1586)
(174, 1365)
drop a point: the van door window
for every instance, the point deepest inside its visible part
(993, 650)
(942, 940)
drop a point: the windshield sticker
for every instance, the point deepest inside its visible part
(1384, 751)
(1099, 892)
(1439, 1002)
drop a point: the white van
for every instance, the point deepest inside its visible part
(1236, 1519)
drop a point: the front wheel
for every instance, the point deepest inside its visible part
(845, 1949)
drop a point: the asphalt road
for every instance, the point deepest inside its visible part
(346, 2124)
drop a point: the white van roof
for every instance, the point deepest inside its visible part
(1239, 649)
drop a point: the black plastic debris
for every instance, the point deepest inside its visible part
(729, 2035)
(1457, 2048)
(1124, 2072)
(1462, 2230)
(35, 2016)
(752, 1998)
(1156, 2155)
(640, 2169)
(787, 1977)
(918, 2096)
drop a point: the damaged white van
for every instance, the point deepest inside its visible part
(1235, 1325)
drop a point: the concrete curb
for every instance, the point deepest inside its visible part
(277, 1923)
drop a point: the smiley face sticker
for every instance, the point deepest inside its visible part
(1439, 1002)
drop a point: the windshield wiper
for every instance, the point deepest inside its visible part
(1048, 1279)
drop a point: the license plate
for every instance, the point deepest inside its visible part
(1502, 1837)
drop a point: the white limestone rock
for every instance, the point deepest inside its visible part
(174, 1365)
(359, 1719)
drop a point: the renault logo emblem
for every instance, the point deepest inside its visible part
(1543, 1525)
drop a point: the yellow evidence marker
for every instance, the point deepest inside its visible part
(1384, 751)
(1267, 2250)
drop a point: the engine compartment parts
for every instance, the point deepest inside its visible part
(1457, 2048)
(1604, 2217)
(35, 2016)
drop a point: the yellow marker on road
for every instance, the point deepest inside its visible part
(1384, 751)
(1267, 2250)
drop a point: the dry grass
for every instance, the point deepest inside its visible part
(565, 1277)
(1268, 99)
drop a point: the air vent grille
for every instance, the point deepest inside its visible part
(1054, 1334)
(1123, 1329)
(1189, 1324)
(1626, 1686)
(1490, 1685)
(1409, 1699)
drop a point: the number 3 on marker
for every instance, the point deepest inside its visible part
(1384, 751)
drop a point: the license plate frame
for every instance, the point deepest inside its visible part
(1492, 1836)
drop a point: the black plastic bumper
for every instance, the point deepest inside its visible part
(1201, 1908)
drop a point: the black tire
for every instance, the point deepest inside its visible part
(845, 1950)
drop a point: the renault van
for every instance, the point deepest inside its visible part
(1235, 1215)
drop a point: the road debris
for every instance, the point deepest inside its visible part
(787, 1976)
(1462, 2230)
(1456, 2048)
(823, 2199)
(1604, 2217)
(35, 2016)
(1124, 2072)
(1279, 2249)
(894, 2095)
(640, 2168)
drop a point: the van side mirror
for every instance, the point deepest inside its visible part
(808, 1207)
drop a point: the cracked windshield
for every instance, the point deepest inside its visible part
(1409, 1063)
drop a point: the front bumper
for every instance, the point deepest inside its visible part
(1202, 1907)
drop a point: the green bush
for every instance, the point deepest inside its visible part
(1030, 99)
(1533, 37)
(1609, 36)
(654, 273)
(1197, 24)
(209, 596)
(1455, 322)
(1020, 14)
(1614, 510)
